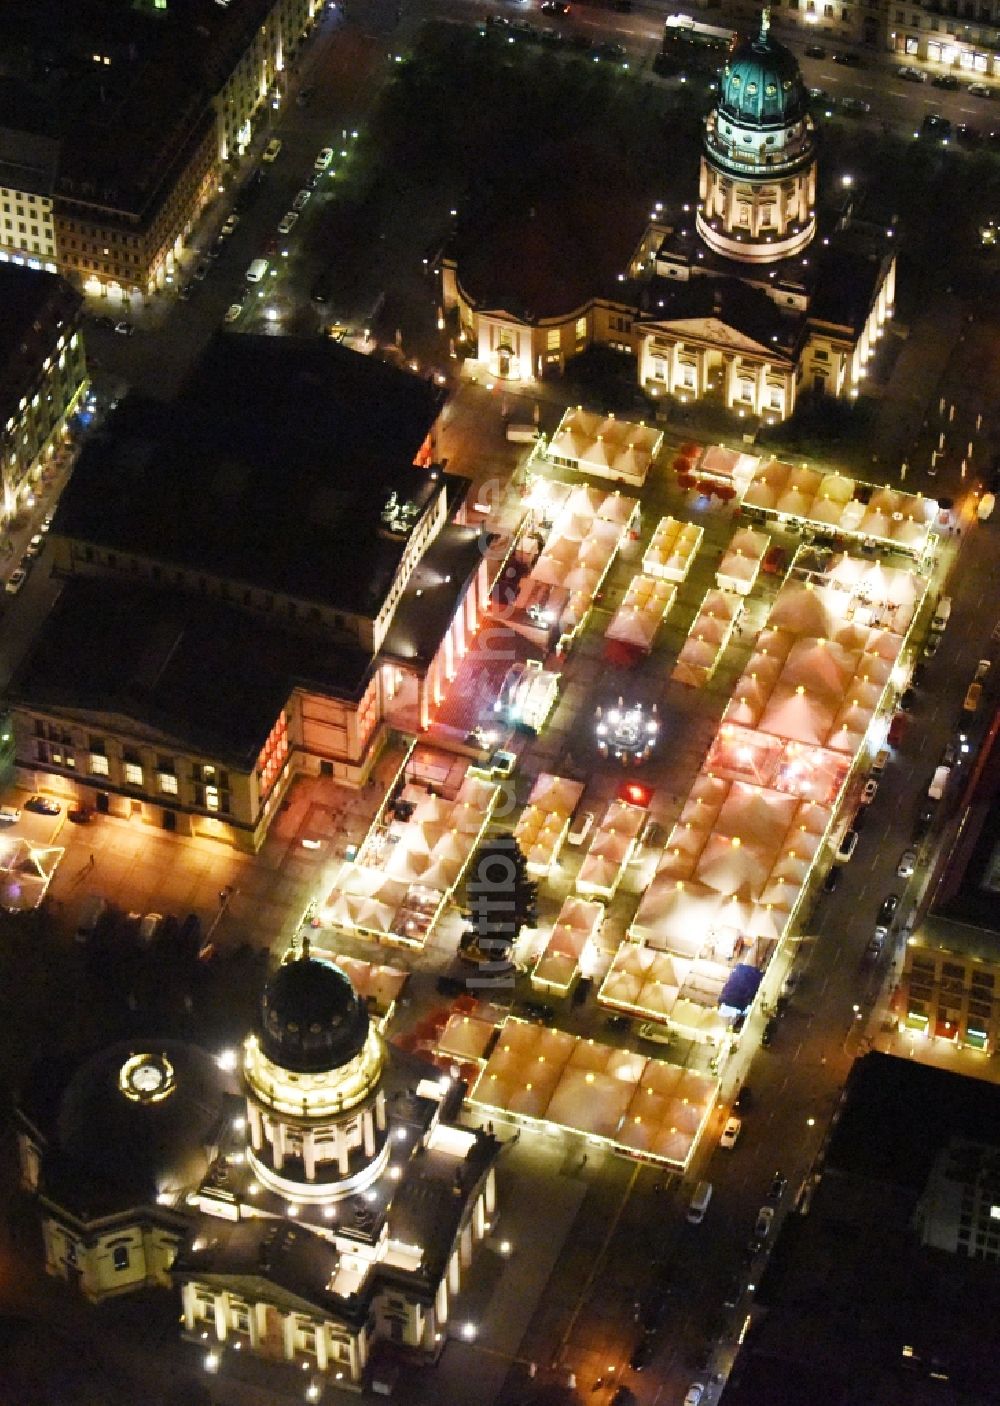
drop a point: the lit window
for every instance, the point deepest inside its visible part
(995, 1213)
(133, 774)
(98, 764)
(211, 797)
(168, 783)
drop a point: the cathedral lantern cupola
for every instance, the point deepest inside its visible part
(757, 193)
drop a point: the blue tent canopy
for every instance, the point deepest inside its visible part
(741, 987)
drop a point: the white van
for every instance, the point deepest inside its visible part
(938, 782)
(93, 910)
(698, 1204)
(257, 270)
(942, 615)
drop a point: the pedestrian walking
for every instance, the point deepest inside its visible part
(93, 861)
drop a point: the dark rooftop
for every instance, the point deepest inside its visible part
(738, 305)
(35, 305)
(108, 1152)
(852, 1309)
(847, 276)
(189, 668)
(563, 243)
(271, 468)
(421, 620)
(965, 910)
(156, 72)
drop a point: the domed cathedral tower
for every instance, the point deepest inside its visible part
(317, 1117)
(757, 195)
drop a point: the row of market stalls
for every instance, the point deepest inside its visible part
(644, 1108)
(569, 944)
(672, 549)
(26, 870)
(827, 502)
(641, 613)
(544, 822)
(742, 560)
(610, 849)
(603, 446)
(708, 637)
(407, 867)
(738, 859)
(587, 527)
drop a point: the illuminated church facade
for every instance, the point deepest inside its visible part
(745, 297)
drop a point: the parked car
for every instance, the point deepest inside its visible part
(743, 1099)
(775, 561)
(762, 1228)
(897, 729)
(270, 152)
(80, 815)
(35, 546)
(15, 580)
(848, 59)
(200, 273)
(229, 225)
(887, 911)
(982, 669)
(9, 815)
(301, 200)
(730, 1133)
(856, 107)
(693, 1395)
(554, 7)
(874, 948)
(907, 863)
(734, 1291)
(185, 292)
(324, 160)
(769, 1032)
(869, 791)
(931, 647)
(911, 75)
(288, 222)
(815, 51)
(777, 1188)
(42, 805)
(973, 697)
(847, 846)
(832, 879)
(934, 125)
(948, 81)
(967, 135)
(656, 1034)
(907, 699)
(233, 312)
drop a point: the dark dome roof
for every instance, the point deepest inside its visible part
(140, 1114)
(311, 1018)
(761, 85)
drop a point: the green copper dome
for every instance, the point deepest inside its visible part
(761, 85)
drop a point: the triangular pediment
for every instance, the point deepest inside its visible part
(717, 333)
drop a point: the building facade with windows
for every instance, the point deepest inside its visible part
(949, 987)
(109, 1149)
(746, 297)
(331, 1203)
(323, 588)
(142, 139)
(43, 376)
(348, 1203)
(956, 34)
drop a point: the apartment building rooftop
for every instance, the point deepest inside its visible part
(273, 468)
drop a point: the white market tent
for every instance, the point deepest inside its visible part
(840, 504)
(405, 869)
(585, 535)
(542, 825)
(579, 923)
(707, 638)
(604, 446)
(642, 612)
(640, 1107)
(610, 849)
(672, 549)
(762, 809)
(740, 566)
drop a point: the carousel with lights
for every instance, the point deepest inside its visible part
(627, 733)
